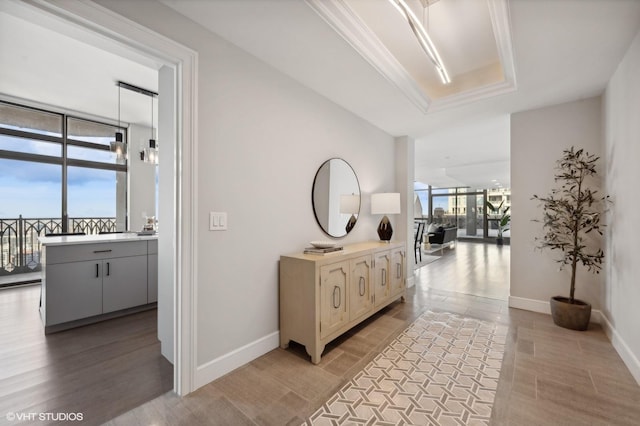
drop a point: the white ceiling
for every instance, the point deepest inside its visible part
(562, 50)
(63, 66)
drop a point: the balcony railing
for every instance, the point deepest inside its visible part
(20, 248)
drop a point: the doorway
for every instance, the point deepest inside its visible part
(176, 167)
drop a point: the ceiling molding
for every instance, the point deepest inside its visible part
(472, 95)
(501, 21)
(350, 27)
(354, 30)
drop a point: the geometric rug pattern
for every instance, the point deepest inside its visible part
(442, 370)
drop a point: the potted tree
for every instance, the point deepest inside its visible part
(503, 219)
(570, 213)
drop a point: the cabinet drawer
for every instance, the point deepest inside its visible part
(81, 252)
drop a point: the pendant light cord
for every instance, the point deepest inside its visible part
(119, 89)
(151, 117)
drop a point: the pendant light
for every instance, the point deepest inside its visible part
(151, 152)
(118, 146)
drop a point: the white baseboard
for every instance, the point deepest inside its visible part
(543, 307)
(532, 305)
(630, 359)
(226, 363)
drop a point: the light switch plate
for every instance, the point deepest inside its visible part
(217, 221)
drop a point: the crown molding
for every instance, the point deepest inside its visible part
(353, 30)
(501, 21)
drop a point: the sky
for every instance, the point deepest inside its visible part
(34, 190)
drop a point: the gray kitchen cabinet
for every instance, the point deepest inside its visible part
(152, 272)
(73, 291)
(124, 283)
(91, 278)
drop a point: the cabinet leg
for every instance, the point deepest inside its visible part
(284, 343)
(315, 353)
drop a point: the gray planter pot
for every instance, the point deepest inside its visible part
(574, 316)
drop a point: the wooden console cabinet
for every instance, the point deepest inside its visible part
(322, 296)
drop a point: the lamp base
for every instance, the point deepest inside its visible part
(351, 223)
(385, 231)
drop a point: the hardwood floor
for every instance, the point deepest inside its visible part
(101, 370)
(550, 376)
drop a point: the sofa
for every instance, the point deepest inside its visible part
(443, 236)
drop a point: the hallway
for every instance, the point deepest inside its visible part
(476, 268)
(549, 376)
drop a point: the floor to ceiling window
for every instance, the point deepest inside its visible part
(463, 208)
(59, 175)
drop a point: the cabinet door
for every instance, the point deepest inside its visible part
(152, 278)
(124, 283)
(397, 271)
(333, 297)
(381, 277)
(74, 291)
(360, 299)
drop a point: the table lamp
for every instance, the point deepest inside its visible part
(385, 203)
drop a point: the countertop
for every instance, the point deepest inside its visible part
(92, 239)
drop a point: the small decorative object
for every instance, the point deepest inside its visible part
(503, 219)
(323, 244)
(322, 250)
(150, 224)
(385, 203)
(570, 212)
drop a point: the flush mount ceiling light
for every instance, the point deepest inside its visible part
(423, 38)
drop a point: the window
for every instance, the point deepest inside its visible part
(464, 208)
(58, 175)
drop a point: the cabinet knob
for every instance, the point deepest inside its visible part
(361, 286)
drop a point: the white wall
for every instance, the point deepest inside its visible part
(538, 138)
(142, 179)
(405, 177)
(622, 136)
(262, 136)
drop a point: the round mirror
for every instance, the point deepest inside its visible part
(336, 197)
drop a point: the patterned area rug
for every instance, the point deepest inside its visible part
(442, 370)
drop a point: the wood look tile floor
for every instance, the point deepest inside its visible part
(549, 376)
(101, 370)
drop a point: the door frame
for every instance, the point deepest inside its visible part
(100, 21)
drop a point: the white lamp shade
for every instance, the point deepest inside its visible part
(349, 204)
(385, 203)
